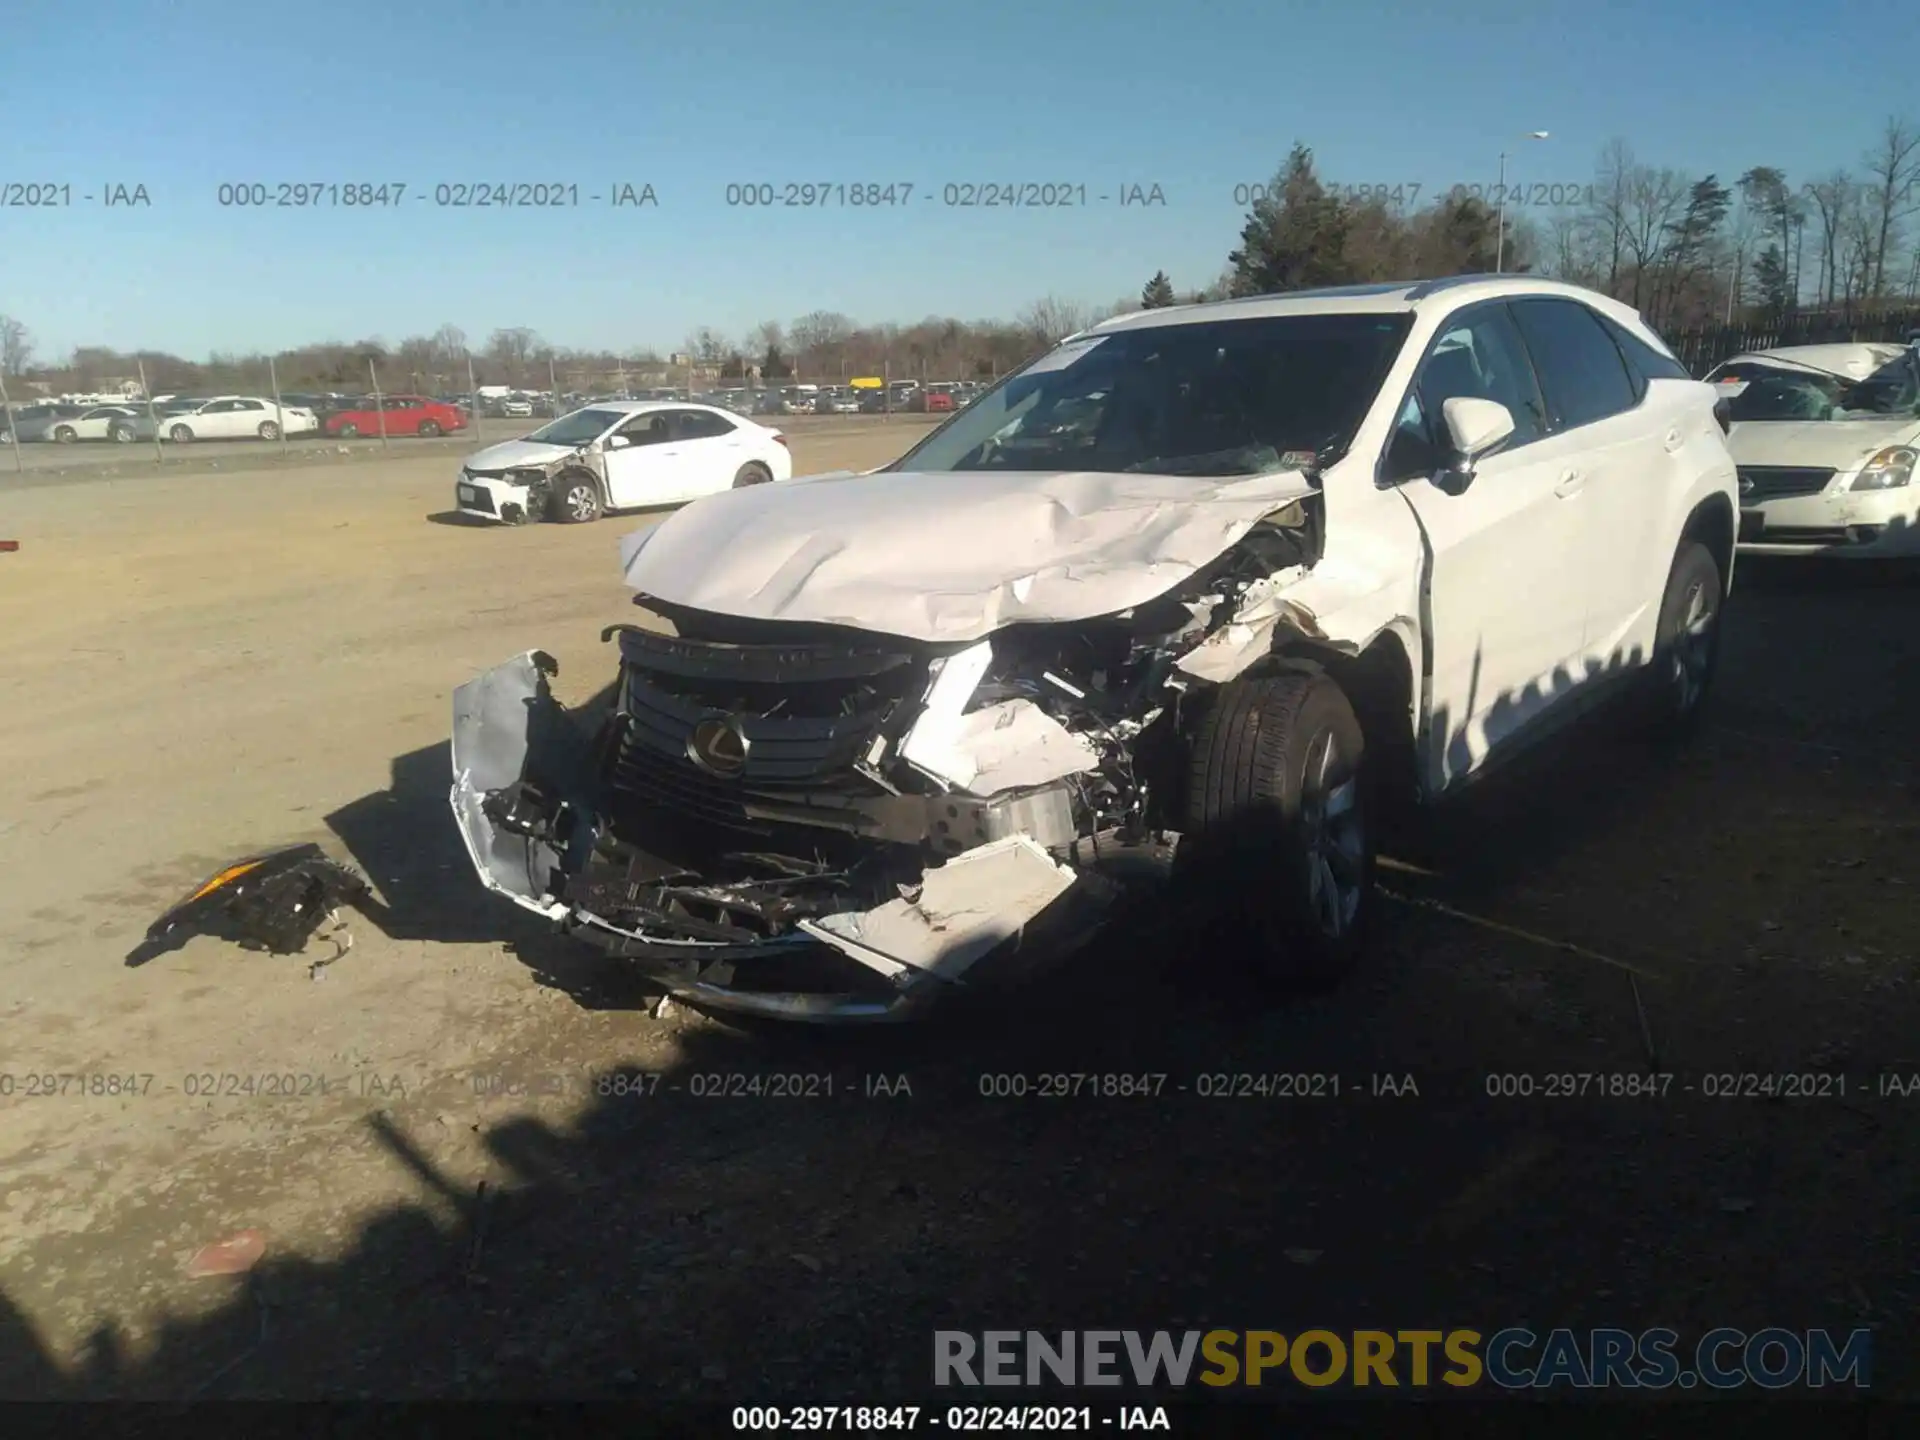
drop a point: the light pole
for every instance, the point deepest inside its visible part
(1500, 244)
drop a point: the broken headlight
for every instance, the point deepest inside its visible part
(1888, 470)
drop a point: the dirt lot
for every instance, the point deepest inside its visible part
(464, 1196)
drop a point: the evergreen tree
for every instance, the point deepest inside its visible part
(1159, 292)
(1295, 238)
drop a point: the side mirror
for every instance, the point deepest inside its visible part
(619, 442)
(1475, 428)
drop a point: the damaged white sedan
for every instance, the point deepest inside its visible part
(1827, 438)
(1203, 581)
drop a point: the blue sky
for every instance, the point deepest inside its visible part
(1106, 94)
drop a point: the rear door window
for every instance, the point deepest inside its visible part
(1581, 370)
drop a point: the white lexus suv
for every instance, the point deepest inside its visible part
(1210, 579)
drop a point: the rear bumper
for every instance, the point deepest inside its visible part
(527, 799)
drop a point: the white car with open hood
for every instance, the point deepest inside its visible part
(619, 455)
(1827, 438)
(1203, 583)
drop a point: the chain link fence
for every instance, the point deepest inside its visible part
(390, 402)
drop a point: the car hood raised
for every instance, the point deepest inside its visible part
(949, 556)
(1830, 444)
(509, 453)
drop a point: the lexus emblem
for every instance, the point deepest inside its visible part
(719, 746)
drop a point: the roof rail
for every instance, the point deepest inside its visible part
(1449, 282)
(1327, 292)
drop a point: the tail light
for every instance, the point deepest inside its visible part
(1723, 412)
(781, 438)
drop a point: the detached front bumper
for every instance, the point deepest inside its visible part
(526, 795)
(505, 502)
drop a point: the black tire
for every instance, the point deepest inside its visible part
(120, 434)
(269, 430)
(65, 434)
(752, 473)
(576, 499)
(181, 434)
(1686, 647)
(349, 432)
(429, 430)
(1262, 847)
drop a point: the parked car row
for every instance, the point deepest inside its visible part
(182, 420)
(185, 419)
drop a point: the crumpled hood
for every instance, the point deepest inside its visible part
(948, 556)
(509, 453)
(1839, 444)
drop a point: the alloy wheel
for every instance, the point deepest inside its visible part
(1334, 835)
(1691, 652)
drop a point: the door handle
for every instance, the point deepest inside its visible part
(1571, 482)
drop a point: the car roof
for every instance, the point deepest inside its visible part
(1396, 297)
(1851, 361)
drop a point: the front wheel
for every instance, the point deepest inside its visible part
(180, 434)
(1686, 646)
(65, 434)
(121, 434)
(429, 430)
(576, 499)
(1277, 840)
(348, 432)
(269, 430)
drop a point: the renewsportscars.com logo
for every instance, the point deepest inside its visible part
(1515, 1358)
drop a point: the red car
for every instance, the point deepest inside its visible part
(939, 400)
(404, 415)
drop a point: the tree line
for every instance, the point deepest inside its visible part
(1688, 251)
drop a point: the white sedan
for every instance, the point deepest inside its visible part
(101, 422)
(237, 417)
(1827, 439)
(620, 455)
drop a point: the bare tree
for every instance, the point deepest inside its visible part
(1054, 319)
(707, 346)
(16, 346)
(1827, 199)
(1859, 237)
(1612, 187)
(1654, 201)
(514, 348)
(449, 345)
(1893, 172)
(767, 335)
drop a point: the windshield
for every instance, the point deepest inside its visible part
(582, 427)
(1789, 395)
(1230, 397)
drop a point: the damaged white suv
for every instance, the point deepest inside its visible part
(1209, 581)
